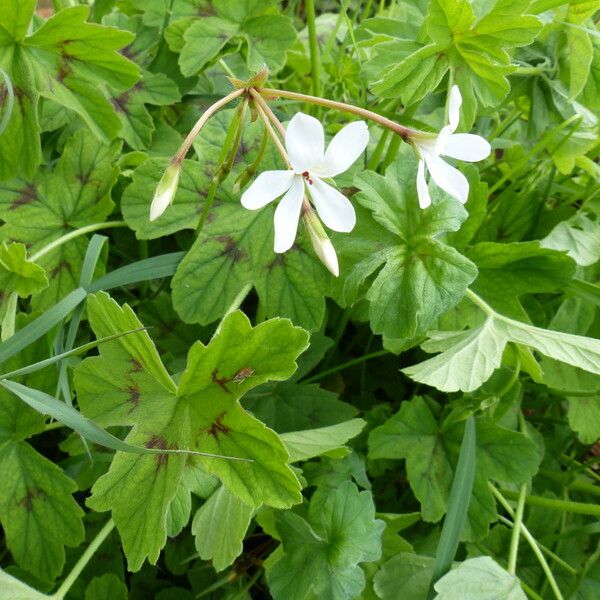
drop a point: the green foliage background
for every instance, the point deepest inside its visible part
(438, 402)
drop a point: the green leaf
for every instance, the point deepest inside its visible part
(235, 248)
(431, 454)
(38, 513)
(476, 48)
(306, 444)
(18, 274)
(62, 60)
(584, 418)
(185, 211)
(221, 544)
(415, 76)
(16, 16)
(579, 54)
(137, 123)
(13, 589)
(74, 194)
(479, 578)
(508, 271)
(404, 576)
(106, 586)
(295, 407)
(321, 555)
(418, 276)
(468, 358)
(128, 385)
(266, 34)
(578, 237)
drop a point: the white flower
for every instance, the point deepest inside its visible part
(165, 191)
(464, 146)
(310, 162)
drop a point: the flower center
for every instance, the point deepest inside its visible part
(306, 176)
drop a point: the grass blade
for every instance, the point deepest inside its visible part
(73, 352)
(36, 329)
(67, 415)
(458, 504)
(156, 267)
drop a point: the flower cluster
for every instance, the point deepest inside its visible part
(303, 187)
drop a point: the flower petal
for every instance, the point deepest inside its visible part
(422, 189)
(267, 187)
(287, 215)
(335, 210)
(454, 108)
(467, 146)
(304, 142)
(451, 180)
(346, 146)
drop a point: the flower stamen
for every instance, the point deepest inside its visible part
(306, 176)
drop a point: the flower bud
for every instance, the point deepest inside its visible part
(321, 243)
(165, 191)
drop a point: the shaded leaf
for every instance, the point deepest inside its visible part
(321, 555)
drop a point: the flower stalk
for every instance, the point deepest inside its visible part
(404, 132)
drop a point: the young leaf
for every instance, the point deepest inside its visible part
(578, 237)
(321, 555)
(418, 277)
(128, 385)
(465, 365)
(479, 578)
(18, 274)
(74, 194)
(221, 544)
(303, 445)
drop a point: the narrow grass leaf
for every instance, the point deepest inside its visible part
(156, 267)
(67, 415)
(36, 329)
(458, 504)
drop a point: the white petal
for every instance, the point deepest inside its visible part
(454, 107)
(335, 210)
(422, 189)
(451, 180)
(346, 146)
(304, 142)
(287, 215)
(326, 252)
(267, 187)
(165, 191)
(467, 146)
(441, 140)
